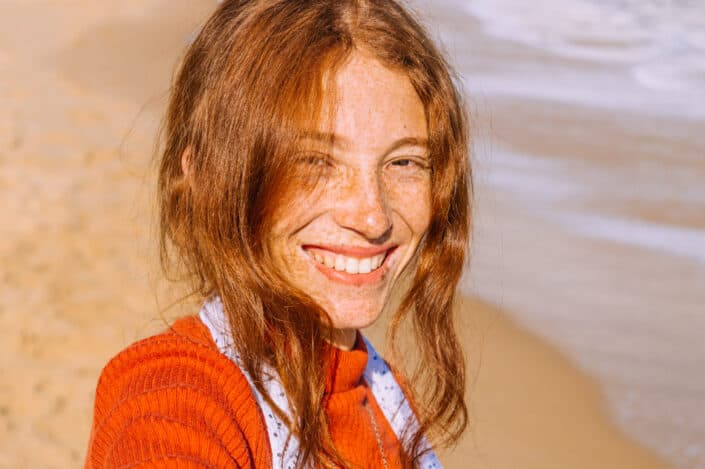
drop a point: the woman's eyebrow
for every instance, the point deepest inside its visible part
(336, 140)
(408, 142)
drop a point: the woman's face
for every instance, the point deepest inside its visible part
(345, 236)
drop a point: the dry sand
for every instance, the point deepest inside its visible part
(81, 87)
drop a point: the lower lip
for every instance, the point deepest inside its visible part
(356, 280)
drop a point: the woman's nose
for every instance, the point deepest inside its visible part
(363, 207)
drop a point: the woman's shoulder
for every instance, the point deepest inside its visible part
(175, 395)
(184, 355)
(186, 337)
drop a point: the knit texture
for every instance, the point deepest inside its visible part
(173, 400)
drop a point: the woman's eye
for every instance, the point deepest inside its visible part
(314, 160)
(416, 163)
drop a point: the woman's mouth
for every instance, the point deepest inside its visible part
(353, 265)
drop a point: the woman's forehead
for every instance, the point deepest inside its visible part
(367, 103)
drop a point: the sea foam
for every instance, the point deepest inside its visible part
(661, 43)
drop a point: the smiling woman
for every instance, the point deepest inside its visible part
(345, 240)
(314, 167)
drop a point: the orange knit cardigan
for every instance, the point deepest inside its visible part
(173, 400)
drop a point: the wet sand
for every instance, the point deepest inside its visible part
(82, 86)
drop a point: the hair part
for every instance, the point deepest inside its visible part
(252, 80)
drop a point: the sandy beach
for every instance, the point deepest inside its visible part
(584, 351)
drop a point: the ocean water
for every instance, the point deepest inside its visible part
(649, 56)
(651, 53)
(662, 41)
(547, 183)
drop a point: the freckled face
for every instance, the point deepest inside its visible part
(346, 240)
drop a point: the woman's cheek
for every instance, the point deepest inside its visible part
(411, 198)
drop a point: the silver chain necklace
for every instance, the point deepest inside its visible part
(377, 434)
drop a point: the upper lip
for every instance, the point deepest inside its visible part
(352, 251)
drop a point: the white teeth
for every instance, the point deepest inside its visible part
(365, 266)
(339, 262)
(350, 265)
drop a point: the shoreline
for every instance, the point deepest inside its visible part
(534, 406)
(589, 223)
(603, 214)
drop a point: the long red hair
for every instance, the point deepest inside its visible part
(247, 86)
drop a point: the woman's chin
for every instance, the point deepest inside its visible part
(358, 319)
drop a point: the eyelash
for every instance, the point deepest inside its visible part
(409, 161)
(324, 161)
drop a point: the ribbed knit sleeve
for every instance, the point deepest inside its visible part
(173, 400)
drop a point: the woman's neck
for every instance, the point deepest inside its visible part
(343, 339)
